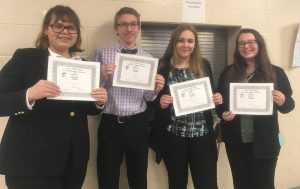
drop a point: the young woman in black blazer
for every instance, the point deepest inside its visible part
(251, 141)
(46, 142)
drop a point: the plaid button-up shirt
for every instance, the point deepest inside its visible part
(122, 101)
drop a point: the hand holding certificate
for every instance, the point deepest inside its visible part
(75, 78)
(251, 98)
(135, 71)
(192, 96)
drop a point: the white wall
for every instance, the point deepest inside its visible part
(277, 20)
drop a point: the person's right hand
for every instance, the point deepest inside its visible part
(107, 70)
(100, 95)
(42, 89)
(165, 101)
(228, 115)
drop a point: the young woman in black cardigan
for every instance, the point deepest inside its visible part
(251, 141)
(188, 140)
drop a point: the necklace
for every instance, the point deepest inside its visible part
(249, 76)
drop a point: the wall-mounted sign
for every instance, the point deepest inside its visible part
(193, 11)
(296, 56)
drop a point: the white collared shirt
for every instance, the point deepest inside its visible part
(73, 55)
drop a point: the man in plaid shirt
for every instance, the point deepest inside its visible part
(123, 128)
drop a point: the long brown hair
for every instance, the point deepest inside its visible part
(263, 66)
(196, 63)
(63, 13)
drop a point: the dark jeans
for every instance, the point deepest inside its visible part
(198, 153)
(249, 172)
(116, 139)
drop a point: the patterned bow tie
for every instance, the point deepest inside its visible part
(129, 51)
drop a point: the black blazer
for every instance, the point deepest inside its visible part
(162, 117)
(39, 141)
(266, 129)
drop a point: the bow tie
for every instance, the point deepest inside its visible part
(129, 51)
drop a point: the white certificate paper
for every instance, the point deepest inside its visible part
(75, 78)
(251, 98)
(192, 96)
(134, 71)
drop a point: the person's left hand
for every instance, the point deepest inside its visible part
(217, 98)
(165, 101)
(106, 71)
(159, 82)
(100, 95)
(278, 97)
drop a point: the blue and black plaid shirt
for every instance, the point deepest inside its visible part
(190, 125)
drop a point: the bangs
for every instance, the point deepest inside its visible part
(66, 16)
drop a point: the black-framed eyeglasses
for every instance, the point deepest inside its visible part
(250, 43)
(58, 28)
(132, 25)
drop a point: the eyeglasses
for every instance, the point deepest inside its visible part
(133, 25)
(58, 28)
(250, 43)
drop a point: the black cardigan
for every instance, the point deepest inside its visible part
(266, 142)
(162, 117)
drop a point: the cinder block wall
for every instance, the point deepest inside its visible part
(277, 20)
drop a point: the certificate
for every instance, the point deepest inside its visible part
(192, 96)
(75, 78)
(251, 98)
(134, 71)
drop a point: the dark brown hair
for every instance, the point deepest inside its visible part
(263, 66)
(63, 13)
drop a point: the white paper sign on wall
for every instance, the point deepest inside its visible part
(296, 56)
(193, 11)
